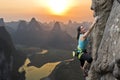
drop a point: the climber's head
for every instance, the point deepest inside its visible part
(78, 32)
(83, 29)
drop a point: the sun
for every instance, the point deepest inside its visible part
(58, 7)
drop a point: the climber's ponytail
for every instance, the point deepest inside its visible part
(78, 32)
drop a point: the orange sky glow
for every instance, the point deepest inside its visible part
(46, 10)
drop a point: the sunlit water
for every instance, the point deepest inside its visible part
(34, 73)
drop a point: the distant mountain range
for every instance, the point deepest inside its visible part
(45, 35)
(69, 27)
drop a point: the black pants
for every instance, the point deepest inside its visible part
(85, 57)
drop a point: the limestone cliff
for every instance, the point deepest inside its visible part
(6, 51)
(106, 41)
(10, 59)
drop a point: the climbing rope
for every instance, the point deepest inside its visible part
(118, 1)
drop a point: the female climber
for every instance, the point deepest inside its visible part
(82, 38)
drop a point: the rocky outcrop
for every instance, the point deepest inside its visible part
(106, 50)
(6, 51)
(9, 57)
(34, 25)
(66, 70)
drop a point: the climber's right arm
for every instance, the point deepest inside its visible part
(90, 28)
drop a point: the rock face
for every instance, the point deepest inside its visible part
(102, 9)
(106, 50)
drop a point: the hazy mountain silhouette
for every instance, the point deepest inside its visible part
(34, 25)
(59, 38)
(29, 34)
(32, 34)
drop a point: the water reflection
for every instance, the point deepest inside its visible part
(34, 73)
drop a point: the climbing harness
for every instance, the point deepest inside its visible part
(77, 53)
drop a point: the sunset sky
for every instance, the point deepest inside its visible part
(46, 10)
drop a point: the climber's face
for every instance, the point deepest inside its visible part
(83, 29)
